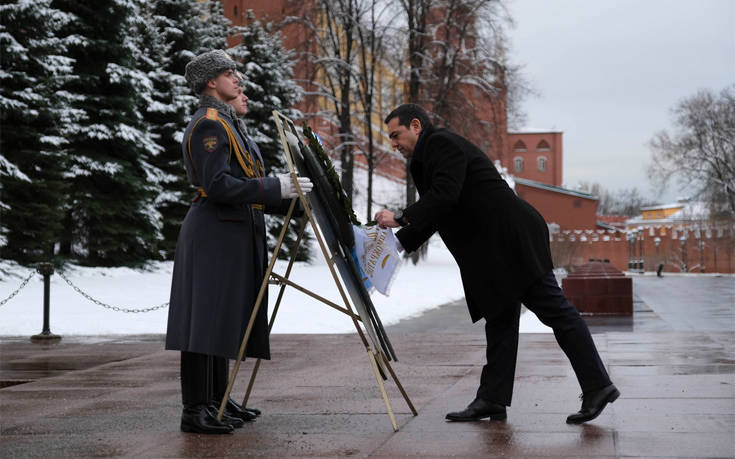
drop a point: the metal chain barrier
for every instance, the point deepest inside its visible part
(23, 284)
(104, 305)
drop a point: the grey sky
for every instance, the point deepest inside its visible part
(608, 73)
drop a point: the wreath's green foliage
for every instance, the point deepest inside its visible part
(332, 175)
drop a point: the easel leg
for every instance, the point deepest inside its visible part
(250, 383)
(400, 386)
(258, 301)
(280, 120)
(382, 389)
(275, 309)
(365, 343)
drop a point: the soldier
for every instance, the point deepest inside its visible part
(240, 104)
(221, 249)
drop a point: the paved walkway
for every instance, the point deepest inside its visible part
(119, 396)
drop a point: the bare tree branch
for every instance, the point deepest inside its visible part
(701, 152)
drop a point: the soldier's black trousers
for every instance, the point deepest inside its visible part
(204, 378)
(545, 299)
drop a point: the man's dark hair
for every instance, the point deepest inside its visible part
(406, 112)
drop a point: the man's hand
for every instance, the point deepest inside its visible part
(385, 219)
(288, 188)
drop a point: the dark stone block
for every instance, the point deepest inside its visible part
(599, 289)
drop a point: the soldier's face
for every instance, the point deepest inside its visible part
(240, 103)
(404, 138)
(226, 86)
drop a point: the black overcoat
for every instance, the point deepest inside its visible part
(500, 242)
(221, 250)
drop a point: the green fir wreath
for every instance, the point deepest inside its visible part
(332, 175)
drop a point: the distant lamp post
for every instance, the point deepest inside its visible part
(631, 249)
(640, 250)
(683, 254)
(701, 256)
(714, 255)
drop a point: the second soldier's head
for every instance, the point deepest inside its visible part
(240, 103)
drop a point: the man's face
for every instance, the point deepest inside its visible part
(225, 86)
(240, 103)
(404, 138)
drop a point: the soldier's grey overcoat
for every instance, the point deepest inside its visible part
(221, 250)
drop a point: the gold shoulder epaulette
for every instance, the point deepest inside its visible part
(212, 114)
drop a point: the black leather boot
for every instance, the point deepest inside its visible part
(227, 418)
(234, 410)
(198, 419)
(255, 411)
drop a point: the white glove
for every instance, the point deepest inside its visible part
(288, 187)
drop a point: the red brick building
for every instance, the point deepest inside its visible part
(535, 155)
(535, 158)
(567, 208)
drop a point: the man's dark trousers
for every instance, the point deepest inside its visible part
(545, 299)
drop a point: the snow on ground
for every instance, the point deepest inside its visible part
(431, 283)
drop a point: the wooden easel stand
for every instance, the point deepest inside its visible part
(284, 281)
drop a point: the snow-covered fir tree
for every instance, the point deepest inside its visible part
(268, 70)
(187, 28)
(164, 27)
(214, 27)
(33, 66)
(112, 218)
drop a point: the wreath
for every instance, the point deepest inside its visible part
(331, 174)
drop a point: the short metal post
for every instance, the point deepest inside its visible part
(714, 254)
(46, 270)
(701, 256)
(683, 255)
(640, 252)
(631, 251)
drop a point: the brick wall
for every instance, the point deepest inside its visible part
(706, 250)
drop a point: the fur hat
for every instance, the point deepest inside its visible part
(207, 66)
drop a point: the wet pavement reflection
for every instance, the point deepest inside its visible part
(119, 396)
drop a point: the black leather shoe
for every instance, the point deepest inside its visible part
(234, 410)
(198, 419)
(593, 403)
(477, 410)
(255, 411)
(227, 418)
(234, 406)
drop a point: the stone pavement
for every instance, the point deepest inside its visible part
(119, 396)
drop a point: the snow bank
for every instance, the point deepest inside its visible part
(431, 283)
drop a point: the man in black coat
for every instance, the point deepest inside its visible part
(501, 244)
(221, 249)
